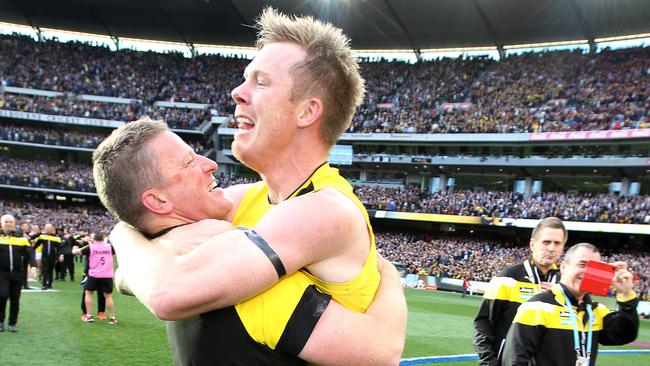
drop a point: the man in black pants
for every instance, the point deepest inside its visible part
(51, 249)
(14, 251)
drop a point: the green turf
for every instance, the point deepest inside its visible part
(50, 331)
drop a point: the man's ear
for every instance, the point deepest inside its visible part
(156, 202)
(311, 111)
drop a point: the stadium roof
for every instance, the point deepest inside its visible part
(372, 24)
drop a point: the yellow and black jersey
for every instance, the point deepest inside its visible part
(50, 244)
(15, 250)
(269, 329)
(509, 289)
(356, 294)
(542, 331)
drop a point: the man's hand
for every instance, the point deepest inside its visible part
(61, 258)
(545, 285)
(622, 281)
(33, 272)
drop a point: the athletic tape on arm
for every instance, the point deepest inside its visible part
(266, 248)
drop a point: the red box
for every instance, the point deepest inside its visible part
(597, 278)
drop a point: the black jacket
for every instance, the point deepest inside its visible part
(15, 250)
(509, 289)
(542, 332)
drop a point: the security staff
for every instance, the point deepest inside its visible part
(514, 286)
(51, 245)
(564, 326)
(15, 250)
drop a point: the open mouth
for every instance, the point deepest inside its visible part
(245, 123)
(212, 186)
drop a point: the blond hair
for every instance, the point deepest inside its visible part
(329, 71)
(123, 168)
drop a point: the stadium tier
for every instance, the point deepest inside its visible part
(501, 114)
(553, 91)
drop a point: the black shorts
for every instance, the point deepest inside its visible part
(104, 285)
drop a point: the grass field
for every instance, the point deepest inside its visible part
(50, 332)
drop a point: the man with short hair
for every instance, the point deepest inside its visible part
(100, 275)
(563, 326)
(290, 319)
(51, 248)
(514, 286)
(15, 250)
(302, 221)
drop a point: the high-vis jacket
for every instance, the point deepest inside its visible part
(509, 289)
(542, 331)
(15, 250)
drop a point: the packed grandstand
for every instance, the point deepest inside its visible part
(46, 174)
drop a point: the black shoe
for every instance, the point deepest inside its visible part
(44, 288)
(26, 287)
(12, 329)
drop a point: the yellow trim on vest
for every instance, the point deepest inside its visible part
(554, 316)
(49, 237)
(14, 240)
(356, 294)
(509, 289)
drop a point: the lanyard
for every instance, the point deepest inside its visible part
(533, 276)
(576, 345)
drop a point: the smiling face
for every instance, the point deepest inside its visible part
(188, 183)
(265, 113)
(573, 268)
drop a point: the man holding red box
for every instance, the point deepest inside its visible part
(564, 326)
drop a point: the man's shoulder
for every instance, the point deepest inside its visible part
(517, 272)
(237, 193)
(332, 203)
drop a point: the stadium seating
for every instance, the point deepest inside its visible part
(551, 91)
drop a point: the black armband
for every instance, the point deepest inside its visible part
(266, 248)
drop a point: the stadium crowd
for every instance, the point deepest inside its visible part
(587, 207)
(71, 137)
(567, 206)
(73, 219)
(478, 259)
(531, 92)
(46, 174)
(178, 118)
